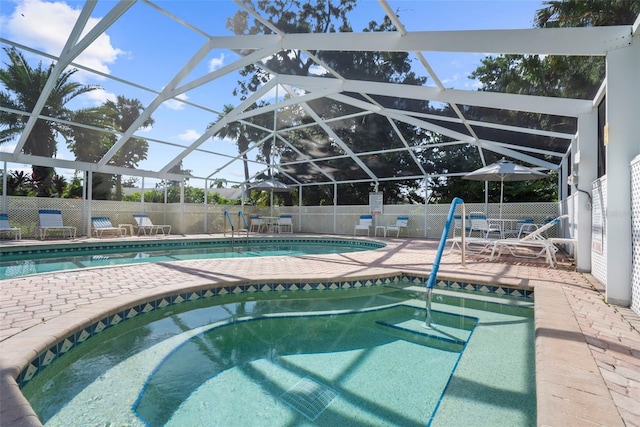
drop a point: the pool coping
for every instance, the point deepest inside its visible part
(571, 388)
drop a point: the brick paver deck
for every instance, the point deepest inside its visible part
(587, 352)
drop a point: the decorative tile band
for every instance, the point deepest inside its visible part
(71, 248)
(44, 359)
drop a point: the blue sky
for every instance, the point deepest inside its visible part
(146, 47)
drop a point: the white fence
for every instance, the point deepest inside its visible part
(424, 221)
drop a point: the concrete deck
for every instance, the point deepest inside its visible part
(587, 352)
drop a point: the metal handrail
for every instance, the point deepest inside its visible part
(244, 220)
(226, 213)
(443, 241)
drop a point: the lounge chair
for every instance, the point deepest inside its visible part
(7, 229)
(533, 245)
(51, 220)
(402, 223)
(102, 225)
(285, 224)
(365, 223)
(144, 224)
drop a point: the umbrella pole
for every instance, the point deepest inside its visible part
(501, 194)
(271, 204)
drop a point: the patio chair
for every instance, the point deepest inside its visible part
(402, 223)
(257, 224)
(144, 224)
(523, 227)
(51, 220)
(457, 231)
(365, 223)
(285, 224)
(480, 224)
(102, 225)
(7, 229)
(533, 245)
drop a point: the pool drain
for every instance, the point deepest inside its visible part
(309, 397)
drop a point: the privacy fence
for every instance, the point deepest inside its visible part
(425, 221)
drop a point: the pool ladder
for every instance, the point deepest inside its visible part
(436, 262)
(233, 228)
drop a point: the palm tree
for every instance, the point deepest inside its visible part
(90, 145)
(23, 86)
(581, 13)
(239, 132)
(122, 113)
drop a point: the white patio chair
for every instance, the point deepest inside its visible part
(285, 224)
(480, 224)
(523, 227)
(51, 220)
(7, 229)
(257, 224)
(365, 223)
(402, 223)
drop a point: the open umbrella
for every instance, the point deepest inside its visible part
(272, 186)
(504, 170)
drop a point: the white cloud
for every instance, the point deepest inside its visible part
(99, 96)
(189, 135)
(47, 25)
(174, 104)
(216, 63)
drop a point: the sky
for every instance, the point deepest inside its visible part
(147, 48)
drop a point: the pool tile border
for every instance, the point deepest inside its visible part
(48, 356)
(177, 244)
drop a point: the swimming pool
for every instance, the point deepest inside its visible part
(345, 357)
(27, 260)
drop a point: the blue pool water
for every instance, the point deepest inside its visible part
(349, 357)
(33, 260)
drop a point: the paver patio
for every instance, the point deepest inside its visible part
(587, 352)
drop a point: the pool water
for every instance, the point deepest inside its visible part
(344, 357)
(46, 260)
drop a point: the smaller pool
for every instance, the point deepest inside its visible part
(16, 262)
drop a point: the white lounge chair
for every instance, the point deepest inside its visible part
(7, 229)
(285, 224)
(365, 223)
(144, 224)
(102, 225)
(51, 220)
(402, 223)
(533, 245)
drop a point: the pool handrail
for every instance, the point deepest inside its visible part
(436, 262)
(443, 240)
(246, 224)
(226, 214)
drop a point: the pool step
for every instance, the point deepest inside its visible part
(448, 332)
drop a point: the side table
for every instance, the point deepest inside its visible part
(380, 227)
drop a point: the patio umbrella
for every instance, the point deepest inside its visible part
(272, 186)
(504, 170)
